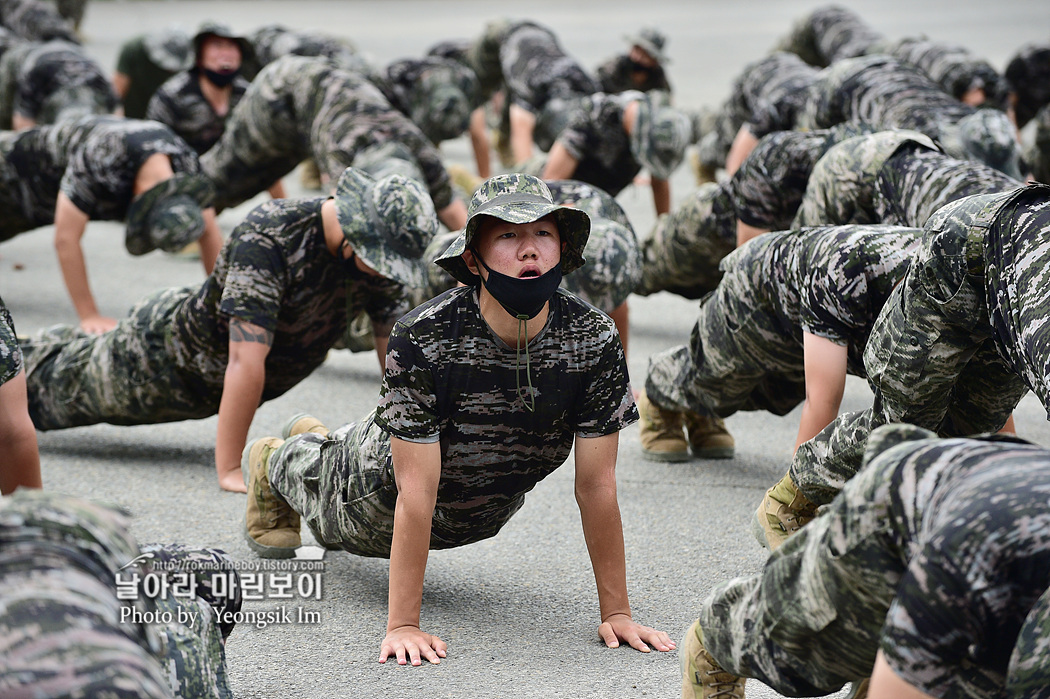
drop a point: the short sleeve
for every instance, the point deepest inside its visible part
(407, 399)
(255, 281)
(608, 402)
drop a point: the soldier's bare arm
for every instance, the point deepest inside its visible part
(70, 223)
(561, 165)
(21, 465)
(743, 144)
(210, 240)
(454, 216)
(479, 139)
(603, 531)
(242, 390)
(661, 195)
(886, 684)
(825, 367)
(417, 470)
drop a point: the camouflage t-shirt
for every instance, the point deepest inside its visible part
(39, 80)
(830, 281)
(772, 180)
(276, 271)
(595, 136)
(616, 75)
(180, 104)
(916, 181)
(884, 93)
(450, 379)
(972, 534)
(767, 96)
(93, 161)
(10, 354)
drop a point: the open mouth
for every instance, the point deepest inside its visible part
(528, 274)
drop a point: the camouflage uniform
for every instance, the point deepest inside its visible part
(92, 160)
(66, 628)
(829, 34)
(166, 360)
(683, 251)
(180, 104)
(918, 557)
(745, 352)
(526, 59)
(898, 177)
(954, 68)
(10, 354)
(35, 20)
(146, 61)
(272, 41)
(443, 362)
(1036, 146)
(885, 93)
(767, 96)
(437, 94)
(616, 75)
(46, 82)
(958, 342)
(613, 265)
(299, 107)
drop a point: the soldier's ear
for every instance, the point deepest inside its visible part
(470, 262)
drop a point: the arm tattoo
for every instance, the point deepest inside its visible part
(246, 332)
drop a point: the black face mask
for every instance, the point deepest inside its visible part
(637, 67)
(523, 298)
(220, 79)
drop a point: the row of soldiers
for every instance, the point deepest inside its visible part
(785, 179)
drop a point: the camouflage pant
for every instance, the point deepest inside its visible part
(738, 357)
(843, 187)
(124, 377)
(64, 568)
(812, 620)
(931, 362)
(343, 486)
(683, 252)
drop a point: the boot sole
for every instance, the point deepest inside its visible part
(715, 453)
(267, 551)
(673, 456)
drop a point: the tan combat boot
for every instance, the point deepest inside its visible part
(662, 433)
(784, 510)
(303, 422)
(708, 437)
(271, 526)
(702, 677)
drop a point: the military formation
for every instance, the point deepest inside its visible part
(864, 205)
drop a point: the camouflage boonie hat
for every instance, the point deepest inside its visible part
(614, 266)
(222, 31)
(988, 136)
(169, 48)
(652, 41)
(447, 94)
(659, 137)
(517, 198)
(388, 222)
(168, 214)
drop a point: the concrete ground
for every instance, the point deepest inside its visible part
(519, 611)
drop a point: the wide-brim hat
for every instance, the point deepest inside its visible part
(168, 214)
(517, 198)
(388, 222)
(169, 48)
(223, 31)
(652, 41)
(659, 137)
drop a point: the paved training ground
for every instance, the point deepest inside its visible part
(519, 611)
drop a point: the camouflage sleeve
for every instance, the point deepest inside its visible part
(254, 283)
(160, 108)
(608, 403)
(10, 354)
(824, 310)
(578, 133)
(408, 407)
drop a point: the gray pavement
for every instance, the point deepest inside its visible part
(519, 611)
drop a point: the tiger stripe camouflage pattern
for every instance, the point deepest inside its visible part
(937, 358)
